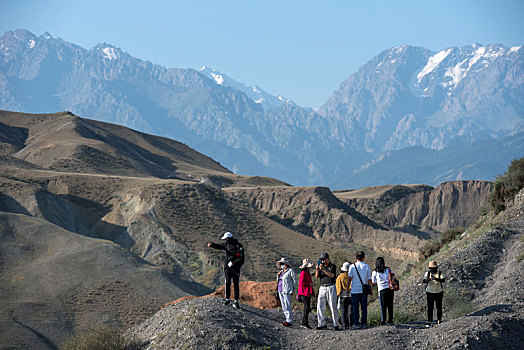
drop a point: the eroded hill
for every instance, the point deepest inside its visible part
(157, 202)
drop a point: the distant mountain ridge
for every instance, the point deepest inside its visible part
(411, 96)
(404, 97)
(256, 93)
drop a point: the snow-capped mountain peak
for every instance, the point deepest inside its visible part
(110, 53)
(255, 92)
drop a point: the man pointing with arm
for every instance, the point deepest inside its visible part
(233, 262)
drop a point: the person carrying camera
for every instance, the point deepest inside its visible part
(434, 280)
(327, 273)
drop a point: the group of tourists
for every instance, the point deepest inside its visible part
(347, 292)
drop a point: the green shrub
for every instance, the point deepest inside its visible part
(507, 185)
(451, 234)
(433, 246)
(101, 338)
(429, 248)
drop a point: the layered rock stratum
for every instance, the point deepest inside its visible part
(101, 223)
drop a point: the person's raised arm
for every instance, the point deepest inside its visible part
(216, 246)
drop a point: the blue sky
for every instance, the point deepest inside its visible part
(299, 49)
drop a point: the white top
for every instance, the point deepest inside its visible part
(365, 274)
(381, 278)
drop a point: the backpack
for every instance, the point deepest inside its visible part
(394, 284)
(438, 274)
(240, 253)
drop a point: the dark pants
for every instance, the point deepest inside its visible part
(362, 301)
(386, 304)
(345, 319)
(235, 275)
(437, 299)
(307, 309)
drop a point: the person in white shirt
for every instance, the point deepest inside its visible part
(360, 277)
(380, 277)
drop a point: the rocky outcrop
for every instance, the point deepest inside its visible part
(208, 324)
(315, 211)
(257, 294)
(452, 204)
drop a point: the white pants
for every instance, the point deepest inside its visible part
(285, 300)
(329, 295)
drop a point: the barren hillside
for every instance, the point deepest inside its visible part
(483, 305)
(148, 201)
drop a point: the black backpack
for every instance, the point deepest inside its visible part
(237, 250)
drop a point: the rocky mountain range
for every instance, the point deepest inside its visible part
(398, 109)
(94, 215)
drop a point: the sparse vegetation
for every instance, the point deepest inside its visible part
(507, 185)
(399, 315)
(458, 303)
(101, 338)
(433, 246)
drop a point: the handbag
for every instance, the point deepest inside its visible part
(366, 289)
(394, 284)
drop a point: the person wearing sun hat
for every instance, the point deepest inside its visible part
(234, 261)
(434, 280)
(344, 295)
(286, 286)
(305, 291)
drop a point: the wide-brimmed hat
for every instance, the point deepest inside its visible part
(283, 261)
(345, 266)
(306, 264)
(227, 235)
(432, 264)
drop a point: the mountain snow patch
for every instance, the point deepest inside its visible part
(433, 62)
(458, 72)
(218, 78)
(514, 49)
(31, 43)
(110, 53)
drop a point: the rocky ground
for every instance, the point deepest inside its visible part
(483, 305)
(207, 323)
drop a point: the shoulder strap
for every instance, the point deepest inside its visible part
(356, 268)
